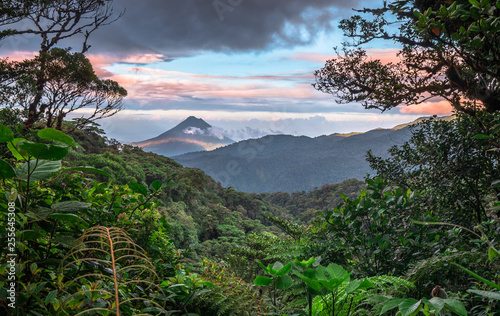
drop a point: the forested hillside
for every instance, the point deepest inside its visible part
(285, 163)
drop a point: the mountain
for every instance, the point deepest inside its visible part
(193, 134)
(284, 163)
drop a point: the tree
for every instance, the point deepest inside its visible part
(56, 81)
(70, 85)
(449, 164)
(449, 50)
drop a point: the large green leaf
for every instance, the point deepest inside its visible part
(487, 294)
(336, 271)
(284, 282)
(410, 307)
(44, 151)
(53, 134)
(353, 286)
(6, 170)
(6, 134)
(262, 280)
(284, 270)
(156, 185)
(52, 295)
(40, 170)
(480, 278)
(456, 306)
(436, 303)
(20, 155)
(315, 285)
(70, 206)
(138, 188)
(390, 304)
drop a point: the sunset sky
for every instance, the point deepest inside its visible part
(245, 66)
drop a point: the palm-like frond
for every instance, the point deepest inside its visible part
(106, 273)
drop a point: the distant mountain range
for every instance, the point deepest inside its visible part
(284, 163)
(193, 134)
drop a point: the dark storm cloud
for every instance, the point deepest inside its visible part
(183, 27)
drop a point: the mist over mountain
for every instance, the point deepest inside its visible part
(284, 163)
(192, 134)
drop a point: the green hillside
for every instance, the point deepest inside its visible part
(284, 163)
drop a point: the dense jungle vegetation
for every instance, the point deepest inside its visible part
(93, 227)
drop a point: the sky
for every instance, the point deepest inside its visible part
(244, 66)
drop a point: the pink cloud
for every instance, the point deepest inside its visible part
(18, 55)
(387, 55)
(315, 57)
(104, 60)
(384, 55)
(175, 87)
(431, 108)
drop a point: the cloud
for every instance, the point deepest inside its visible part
(385, 55)
(180, 28)
(432, 108)
(211, 131)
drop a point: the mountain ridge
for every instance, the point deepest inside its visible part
(287, 163)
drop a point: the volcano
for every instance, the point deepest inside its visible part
(191, 135)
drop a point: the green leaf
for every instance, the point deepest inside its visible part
(480, 278)
(262, 281)
(353, 286)
(138, 188)
(493, 253)
(436, 303)
(487, 294)
(6, 170)
(70, 206)
(50, 297)
(456, 306)
(88, 169)
(284, 270)
(33, 268)
(390, 304)
(262, 266)
(482, 136)
(409, 307)
(39, 171)
(53, 134)
(284, 282)
(305, 264)
(6, 134)
(156, 185)
(44, 151)
(15, 151)
(336, 271)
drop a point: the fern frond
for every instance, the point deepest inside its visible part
(107, 272)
